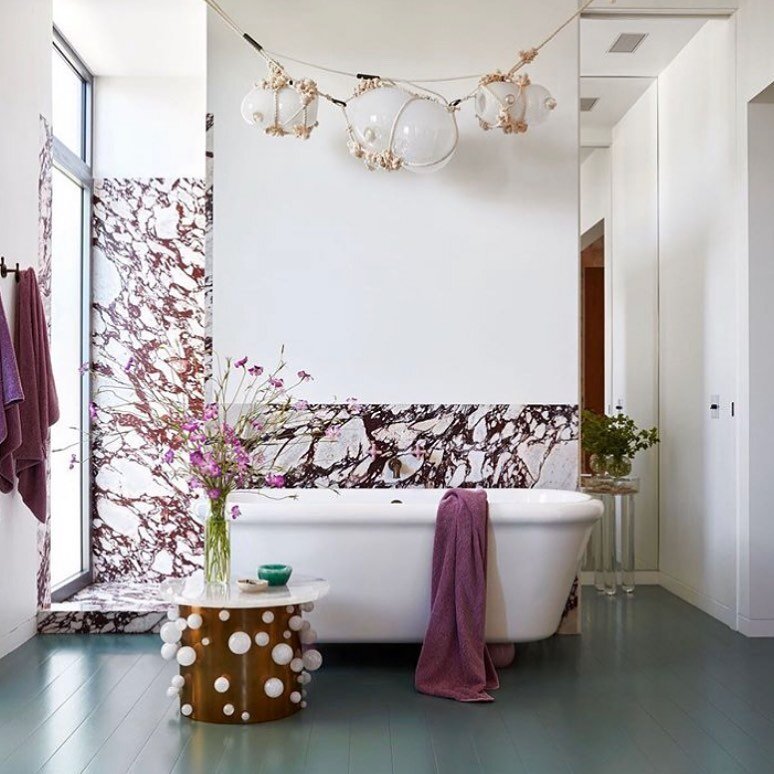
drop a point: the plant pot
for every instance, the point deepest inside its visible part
(598, 464)
(619, 467)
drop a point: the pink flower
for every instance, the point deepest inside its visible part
(190, 425)
(300, 405)
(275, 480)
(354, 405)
(235, 512)
(257, 425)
(333, 432)
(213, 494)
(241, 363)
(169, 456)
(194, 483)
(278, 383)
(196, 459)
(255, 370)
(305, 376)
(210, 412)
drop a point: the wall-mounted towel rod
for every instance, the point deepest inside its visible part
(5, 271)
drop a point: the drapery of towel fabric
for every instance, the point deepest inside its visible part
(11, 394)
(455, 662)
(40, 408)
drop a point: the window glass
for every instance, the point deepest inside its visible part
(68, 99)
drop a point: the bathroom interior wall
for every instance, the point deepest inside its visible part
(698, 321)
(25, 62)
(634, 293)
(456, 287)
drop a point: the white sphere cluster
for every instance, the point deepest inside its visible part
(262, 639)
(297, 664)
(172, 692)
(186, 656)
(170, 632)
(205, 641)
(195, 621)
(222, 684)
(282, 654)
(287, 634)
(168, 650)
(239, 643)
(274, 687)
(224, 615)
(172, 614)
(245, 716)
(307, 607)
(228, 709)
(308, 636)
(304, 678)
(186, 710)
(295, 623)
(295, 697)
(312, 660)
(290, 609)
(178, 681)
(267, 617)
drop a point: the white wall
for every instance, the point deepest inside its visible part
(25, 85)
(698, 335)
(755, 530)
(149, 126)
(634, 278)
(460, 286)
(595, 189)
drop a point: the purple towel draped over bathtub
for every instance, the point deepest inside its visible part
(11, 395)
(40, 408)
(455, 662)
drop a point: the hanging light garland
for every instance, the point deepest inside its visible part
(395, 123)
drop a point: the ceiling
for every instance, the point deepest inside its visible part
(136, 37)
(619, 80)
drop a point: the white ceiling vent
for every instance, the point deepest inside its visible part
(587, 104)
(627, 43)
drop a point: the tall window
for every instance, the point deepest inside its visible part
(71, 215)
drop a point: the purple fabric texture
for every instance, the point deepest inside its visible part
(11, 395)
(40, 408)
(455, 662)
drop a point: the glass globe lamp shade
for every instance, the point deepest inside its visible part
(421, 132)
(490, 98)
(539, 104)
(258, 109)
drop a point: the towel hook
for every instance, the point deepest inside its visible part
(5, 271)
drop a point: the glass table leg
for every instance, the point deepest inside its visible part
(608, 546)
(627, 543)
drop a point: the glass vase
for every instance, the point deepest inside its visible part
(217, 545)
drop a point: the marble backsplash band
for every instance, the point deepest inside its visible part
(430, 445)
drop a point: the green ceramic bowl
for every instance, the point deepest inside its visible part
(276, 574)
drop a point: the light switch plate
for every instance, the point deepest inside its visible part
(715, 406)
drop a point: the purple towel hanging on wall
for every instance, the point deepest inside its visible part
(40, 408)
(11, 395)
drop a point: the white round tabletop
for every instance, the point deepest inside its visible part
(300, 589)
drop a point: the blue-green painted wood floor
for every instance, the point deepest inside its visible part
(653, 685)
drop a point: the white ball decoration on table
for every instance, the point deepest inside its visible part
(172, 692)
(307, 607)
(303, 705)
(178, 681)
(282, 106)
(297, 664)
(205, 641)
(245, 716)
(282, 654)
(224, 615)
(309, 636)
(182, 624)
(274, 687)
(170, 632)
(173, 614)
(194, 621)
(267, 617)
(312, 660)
(287, 634)
(222, 684)
(262, 639)
(290, 609)
(187, 656)
(239, 643)
(186, 710)
(228, 709)
(305, 678)
(295, 697)
(392, 128)
(168, 650)
(295, 623)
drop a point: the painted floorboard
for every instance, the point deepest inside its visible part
(652, 686)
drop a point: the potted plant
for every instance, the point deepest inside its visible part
(612, 442)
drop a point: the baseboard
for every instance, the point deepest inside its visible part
(641, 578)
(755, 627)
(723, 613)
(26, 630)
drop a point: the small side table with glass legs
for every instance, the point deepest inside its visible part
(617, 496)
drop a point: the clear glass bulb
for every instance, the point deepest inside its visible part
(539, 104)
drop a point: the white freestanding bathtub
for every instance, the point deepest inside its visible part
(375, 546)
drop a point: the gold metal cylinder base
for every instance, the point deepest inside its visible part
(233, 682)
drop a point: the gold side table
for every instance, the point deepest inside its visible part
(244, 657)
(617, 496)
